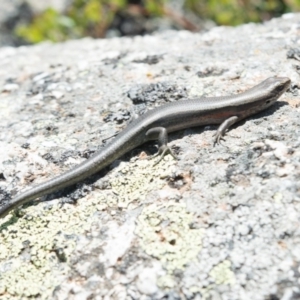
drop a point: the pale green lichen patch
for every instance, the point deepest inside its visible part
(278, 197)
(166, 281)
(222, 273)
(34, 250)
(165, 232)
(132, 183)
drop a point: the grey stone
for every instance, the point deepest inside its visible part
(221, 221)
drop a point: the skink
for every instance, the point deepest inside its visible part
(156, 124)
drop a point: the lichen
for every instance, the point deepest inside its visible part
(134, 182)
(222, 273)
(165, 233)
(35, 249)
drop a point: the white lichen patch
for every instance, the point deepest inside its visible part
(132, 183)
(222, 273)
(165, 232)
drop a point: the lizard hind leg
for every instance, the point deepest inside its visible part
(223, 127)
(161, 134)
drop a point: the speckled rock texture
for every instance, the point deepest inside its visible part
(219, 223)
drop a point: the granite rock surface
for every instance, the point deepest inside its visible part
(219, 223)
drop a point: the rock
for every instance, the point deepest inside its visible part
(219, 222)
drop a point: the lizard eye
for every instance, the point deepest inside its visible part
(280, 88)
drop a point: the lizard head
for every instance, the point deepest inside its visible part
(275, 86)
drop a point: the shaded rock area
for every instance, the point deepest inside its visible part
(219, 223)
